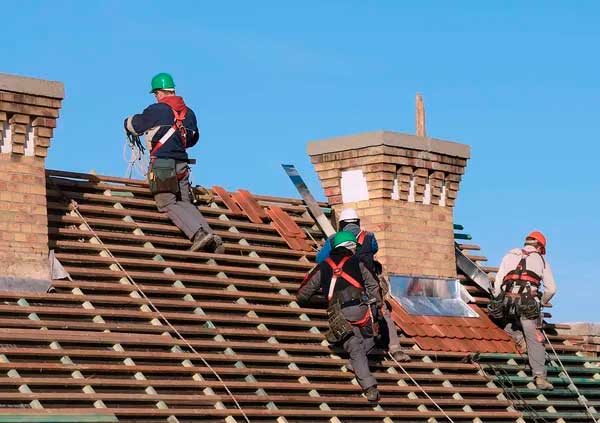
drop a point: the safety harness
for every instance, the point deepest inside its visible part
(179, 117)
(520, 281)
(338, 272)
(519, 292)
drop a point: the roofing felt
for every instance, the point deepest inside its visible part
(96, 344)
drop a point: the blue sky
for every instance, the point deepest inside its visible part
(518, 81)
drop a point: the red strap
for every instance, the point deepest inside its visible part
(178, 126)
(364, 320)
(338, 272)
(522, 277)
(361, 237)
(179, 117)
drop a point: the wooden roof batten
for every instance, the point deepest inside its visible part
(97, 342)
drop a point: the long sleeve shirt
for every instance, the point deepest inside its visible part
(535, 263)
(156, 120)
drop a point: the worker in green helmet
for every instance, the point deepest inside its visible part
(171, 128)
(354, 305)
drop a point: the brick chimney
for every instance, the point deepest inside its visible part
(403, 188)
(28, 111)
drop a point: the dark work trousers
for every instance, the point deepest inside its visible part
(180, 209)
(358, 346)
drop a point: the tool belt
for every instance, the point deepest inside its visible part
(339, 328)
(507, 306)
(163, 176)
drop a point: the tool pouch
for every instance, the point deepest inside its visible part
(162, 177)
(528, 308)
(339, 328)
(496, 307)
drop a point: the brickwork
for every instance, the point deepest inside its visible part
(411, 193)
(28, 112)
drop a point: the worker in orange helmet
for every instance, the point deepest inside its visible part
(525, 281)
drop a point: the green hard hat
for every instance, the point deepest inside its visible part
(343, 238)
(162, 81)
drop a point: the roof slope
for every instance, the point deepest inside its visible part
(97, 344)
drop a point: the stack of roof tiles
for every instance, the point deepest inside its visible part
(96, 343)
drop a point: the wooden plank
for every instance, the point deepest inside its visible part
(161, 217)
(51, 417)
(154, 264)
(56, 232)
(158, 227)
(182, 254)
(243, 320)
(340, 388)
(209, 399)
(302, 413)
(143, 328)
(100, 287)
(187, 278)
(177, 371)
(309, 360)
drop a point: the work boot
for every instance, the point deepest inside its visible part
(372, 393)
(201, 240)
(401, 356)
(542, 383)
(217, 244)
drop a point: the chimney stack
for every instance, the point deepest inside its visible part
(28, 111)
(403, 188)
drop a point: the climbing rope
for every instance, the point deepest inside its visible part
(503, 378)
(75, 208)
(422, 390)
(137, 160)
(582, 400)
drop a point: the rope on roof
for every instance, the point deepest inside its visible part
(582, 400)
(503, 378)
(74, 207)
(422, 390)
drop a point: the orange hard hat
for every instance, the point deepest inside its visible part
(539, 237)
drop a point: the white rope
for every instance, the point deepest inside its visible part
(422, 390)
(580, 398)
(75, 208)
(137, 161)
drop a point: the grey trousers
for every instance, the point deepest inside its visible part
(394, 344)
(180, 208)
(358, 347)
(536, 353)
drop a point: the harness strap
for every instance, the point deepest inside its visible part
(177, 126)
(338, 272)
(365, 319)
(361, 237)
(523, 277)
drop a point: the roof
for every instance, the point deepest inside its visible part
(465, 334)
(97, 344)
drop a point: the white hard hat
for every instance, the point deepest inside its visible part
(348, 214)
